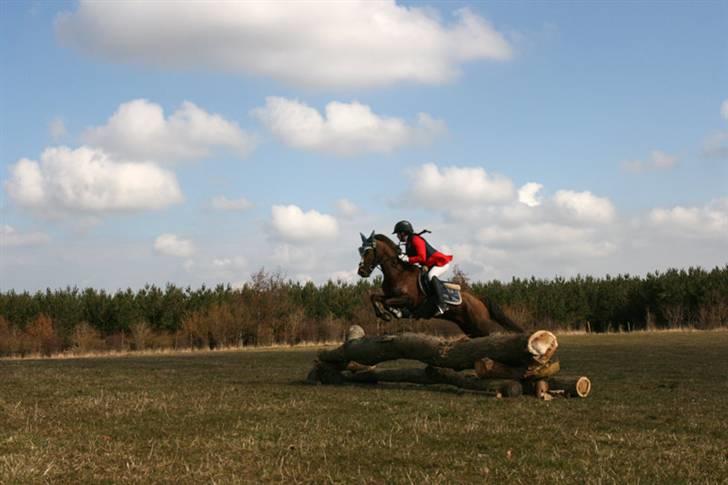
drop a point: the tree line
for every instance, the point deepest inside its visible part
(272, 310)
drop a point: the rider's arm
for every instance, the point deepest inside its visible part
(419, 244)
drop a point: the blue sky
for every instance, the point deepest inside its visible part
(309, 126)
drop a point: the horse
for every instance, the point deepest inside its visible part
(402, 290)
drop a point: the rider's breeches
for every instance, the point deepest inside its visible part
(437, 271)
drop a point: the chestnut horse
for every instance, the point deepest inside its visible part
(400, 289)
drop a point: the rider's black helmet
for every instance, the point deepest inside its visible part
(403, 226)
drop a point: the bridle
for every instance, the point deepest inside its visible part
(370, 244)
(363, 250)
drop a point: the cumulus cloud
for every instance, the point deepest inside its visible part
(225, 204)
(584, 206)
(315, 44)
(708, 220)
(172, 245)
(138, 130)
(658, 160)
(11, 237)
(293, 224)
(344, 129)
(346, 208)
(456, 187)
(88, 180)
(528, 194)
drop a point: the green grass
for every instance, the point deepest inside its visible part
(657, 414)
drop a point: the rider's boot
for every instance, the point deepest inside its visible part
(442, 307)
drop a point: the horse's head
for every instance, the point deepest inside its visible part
(368, 253)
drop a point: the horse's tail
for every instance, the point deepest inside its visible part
(496, 313)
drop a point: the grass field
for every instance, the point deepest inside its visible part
(658, 413)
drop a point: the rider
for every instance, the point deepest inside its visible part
(419, 251)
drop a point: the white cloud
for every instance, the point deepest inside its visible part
(57, 128)
(658, 160)
(292, 224)
(345, 129)
(88, 180)
(10, 237)
(724, 109)
(172, 245)
(223, 203)
(584, 206)
(346, 208)
(457, 187)
(528, 194)
(709, 220)
(139, 131)
(320, 44)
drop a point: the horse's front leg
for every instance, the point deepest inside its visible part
(377, 298)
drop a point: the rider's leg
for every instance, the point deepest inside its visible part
(433, 276)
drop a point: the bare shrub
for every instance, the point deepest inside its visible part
(523, 315)
(195, 331)
(650, 321)
(9, 339)
(141, 335)
(713, 315)
(675, 315)
(117, 341)
(223, 327)
(295, 322)
(328, 329)
(85, 338)
(161, 340)
(42, 336)
(459, 277)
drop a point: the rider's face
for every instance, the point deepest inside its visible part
(402, 236)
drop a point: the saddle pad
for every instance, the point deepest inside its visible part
(451, 293)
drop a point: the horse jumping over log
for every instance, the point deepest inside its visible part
(401, 289)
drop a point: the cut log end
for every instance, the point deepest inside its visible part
(355, 332)
(579, 386)
(582, 386)
(542, 344)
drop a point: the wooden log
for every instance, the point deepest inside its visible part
(514, 349)
(578, 386)
(488, 368)
(435, 375)
(539, 388)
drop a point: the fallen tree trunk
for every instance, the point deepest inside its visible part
(570, 386)
(426, 376)
(438, 375)
(488, 368)
(513, 350)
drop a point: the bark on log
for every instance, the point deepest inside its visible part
(436, 375)
(578, 386)
(488, 368)
(514, 350)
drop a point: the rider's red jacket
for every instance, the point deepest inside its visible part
(420, 252)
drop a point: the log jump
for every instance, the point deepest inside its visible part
(498, 365)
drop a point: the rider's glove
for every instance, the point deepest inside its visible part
(404, 257)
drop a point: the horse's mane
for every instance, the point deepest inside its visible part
(388, 242)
